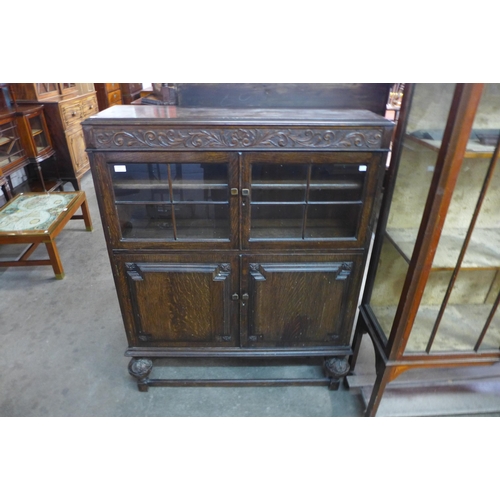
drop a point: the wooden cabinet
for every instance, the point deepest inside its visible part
(108, 94)
(130, 92)
(12, 154)
(24, 139)
(34, 132)
(237, 232)
(433, 290)
(64, 114)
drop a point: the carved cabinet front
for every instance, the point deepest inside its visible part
(245, 238)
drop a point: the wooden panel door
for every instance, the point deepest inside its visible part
(76, 146)
(181, 301)
(301, 301)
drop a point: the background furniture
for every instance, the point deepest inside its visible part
(23, 136)
(434, 286)
(12, 155)
(237, 232)
(64, 114)
(108, 94)
(130, 92)
(40, 91)
(35, 218)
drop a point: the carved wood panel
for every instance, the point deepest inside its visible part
(181, 304)
(211, 138)
(297, 303)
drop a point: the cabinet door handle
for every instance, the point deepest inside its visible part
(245, 296)
(245, 192)
(235, 296)
(234, 191)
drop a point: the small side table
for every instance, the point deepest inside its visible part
(35, 218)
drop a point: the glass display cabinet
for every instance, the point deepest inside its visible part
(238, 232)
(41, 91)
(34, 132)
(12, 154)
(24, 139)
(433, 288)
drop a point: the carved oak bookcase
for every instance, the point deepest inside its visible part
(237, 233)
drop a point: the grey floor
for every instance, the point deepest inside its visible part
(63, 342)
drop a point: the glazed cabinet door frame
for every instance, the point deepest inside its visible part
(104, 163)
(368, 164)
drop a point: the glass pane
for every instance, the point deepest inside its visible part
(424, 129)
(276, 182)
(38, 133)
(10, 147)
(191, 200)
(332, 221)
(337, 182)
(274, 221)
(202, 221)
(46, 88)
(306, 201)
(145, 221)
(199, 182)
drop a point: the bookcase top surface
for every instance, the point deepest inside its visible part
(233, 116)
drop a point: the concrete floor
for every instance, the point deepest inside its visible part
(62, 345)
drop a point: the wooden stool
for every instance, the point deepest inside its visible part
(36, 218)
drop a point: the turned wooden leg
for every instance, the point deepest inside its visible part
(140, 368)
(336, 368)
(55, 260)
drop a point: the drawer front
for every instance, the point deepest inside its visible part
(71, 113)
(110, 87)
(89, 106)
(115, 97)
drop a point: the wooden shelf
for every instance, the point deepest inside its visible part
(5, 140)
(483, 251)
(474, 148)
(303, 185)
(147, 184)
(458, 330)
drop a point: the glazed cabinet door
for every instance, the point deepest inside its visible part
(170, 200)
(308, 200)
(179, 300)
(299, 301)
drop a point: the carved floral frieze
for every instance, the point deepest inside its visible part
(239, 138)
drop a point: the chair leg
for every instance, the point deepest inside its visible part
(55, 260)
